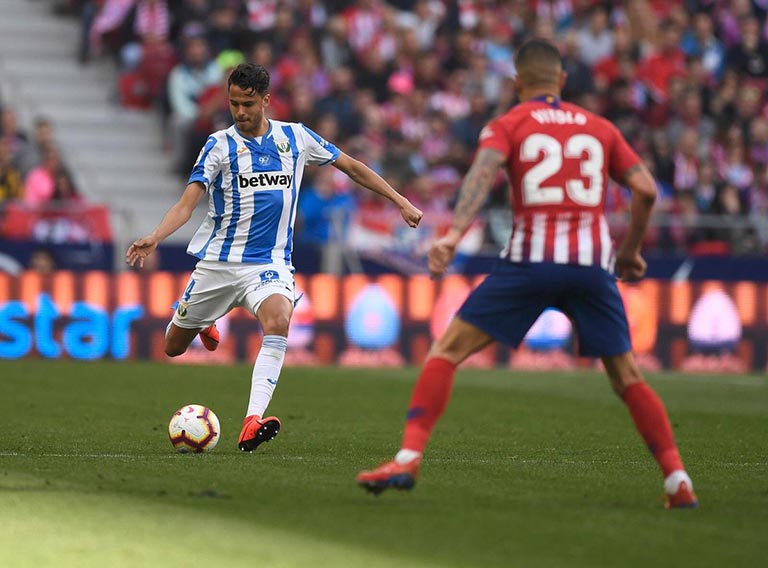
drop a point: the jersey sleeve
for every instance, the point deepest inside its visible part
(319, 151)
(494, 136)
(208, 162)
(622, 157)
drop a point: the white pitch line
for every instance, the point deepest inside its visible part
(714, 380)
(326, 460)
(140, 456)
(23, 455)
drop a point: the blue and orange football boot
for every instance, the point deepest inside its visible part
(256, 431)
(210, 337)
(683, 498)
(390, 474)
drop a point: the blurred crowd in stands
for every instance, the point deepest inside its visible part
(407, 85)
(31, 167)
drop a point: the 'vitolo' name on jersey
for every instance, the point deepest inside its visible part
(265, 180)
(557, 116)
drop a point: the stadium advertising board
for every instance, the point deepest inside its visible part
(359, 320)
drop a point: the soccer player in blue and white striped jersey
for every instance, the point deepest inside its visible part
(251, 173)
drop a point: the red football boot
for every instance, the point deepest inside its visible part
(210, 337)
(683, 498)
(390, 474)
(257, 430)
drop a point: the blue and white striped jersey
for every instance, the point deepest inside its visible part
(253, 189)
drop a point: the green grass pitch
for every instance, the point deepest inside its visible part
(524, 470)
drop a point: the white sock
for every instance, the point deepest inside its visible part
(674, 479)
(406, 456)
(266, 372)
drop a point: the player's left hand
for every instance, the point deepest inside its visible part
(411, 215)
(441, 255)
(630, 265)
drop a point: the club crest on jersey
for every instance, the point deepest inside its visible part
(283, 146)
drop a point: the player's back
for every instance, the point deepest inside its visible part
(559, 159)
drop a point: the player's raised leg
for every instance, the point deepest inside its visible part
(201, 303)
(274, 313)
(177, 339)
(209, 336)
(428, 402)
(652, 422)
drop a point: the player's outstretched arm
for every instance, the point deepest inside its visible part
(365, 176)
(630, 264)
(474, 191)
(174, 218)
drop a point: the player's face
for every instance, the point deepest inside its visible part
(247, 108)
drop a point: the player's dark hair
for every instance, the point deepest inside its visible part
(538, 51)
(539, 64)
(250, 77)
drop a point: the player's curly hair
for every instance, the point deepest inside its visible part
(250, 77)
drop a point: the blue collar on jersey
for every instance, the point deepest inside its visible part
(551, 100)
(253, 138)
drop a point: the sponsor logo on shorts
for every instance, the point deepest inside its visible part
(270, 278)
(269, 275)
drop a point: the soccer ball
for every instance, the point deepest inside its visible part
(194, 428)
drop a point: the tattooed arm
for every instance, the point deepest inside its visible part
(630, 264)
(473, 193)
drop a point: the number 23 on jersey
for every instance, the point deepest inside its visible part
(549, 154)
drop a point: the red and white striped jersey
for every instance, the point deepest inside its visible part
(559, 158)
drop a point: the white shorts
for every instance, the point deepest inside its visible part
(215, 288)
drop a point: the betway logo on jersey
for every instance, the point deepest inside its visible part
(557, 116)
(264, 180)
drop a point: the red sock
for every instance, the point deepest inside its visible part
(428, 401)
(652, 422)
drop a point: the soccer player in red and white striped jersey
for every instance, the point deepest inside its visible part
(558, 158)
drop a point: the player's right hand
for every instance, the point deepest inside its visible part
(411, 215)
(140, 249)
(441, 255)
(630, 265)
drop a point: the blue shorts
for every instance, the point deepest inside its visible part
(511, 298)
